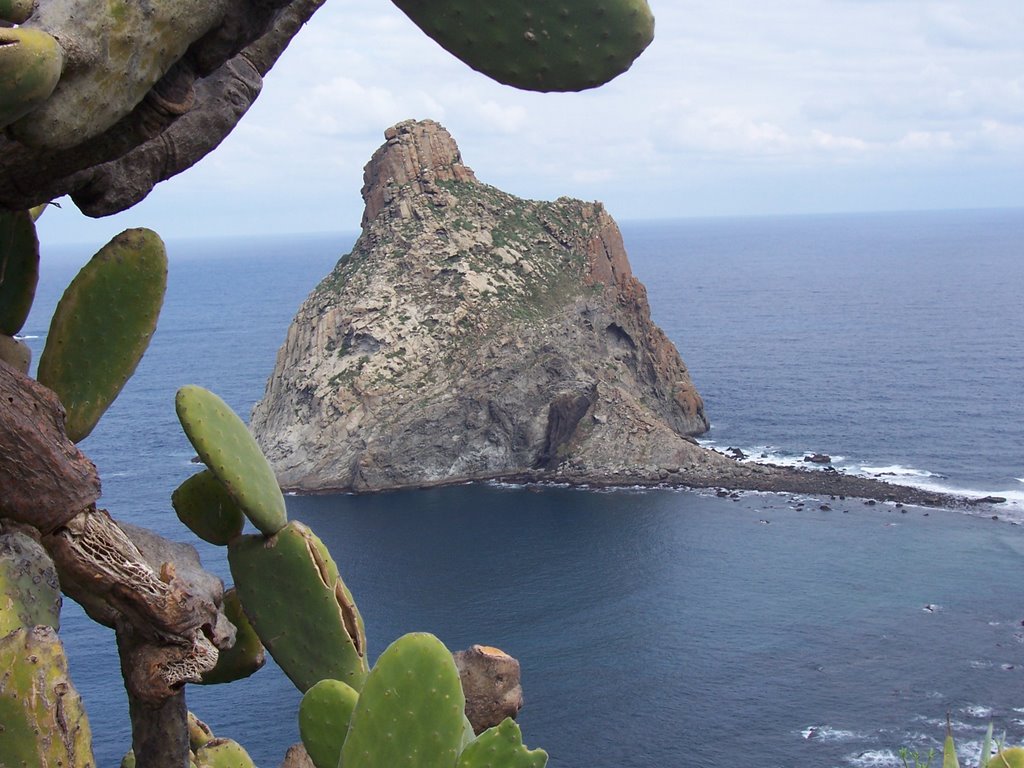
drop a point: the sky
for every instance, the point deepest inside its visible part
(739, 107)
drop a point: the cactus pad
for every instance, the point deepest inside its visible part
(501, 747)
(324, 714)
(568, 45)
(246, 656)
(16, 354)
(29, 592)
(299, 606)
(229, 450)
(19, 269)
(1008, 758)
(223, 753)
(102, 326)
(122, 49)
(30, 66)
(16, 11)
(410, 711)
(204, 505)
(44, 722)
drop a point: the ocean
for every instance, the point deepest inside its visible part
(665, 627)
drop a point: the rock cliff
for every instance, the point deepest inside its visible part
(471, 334)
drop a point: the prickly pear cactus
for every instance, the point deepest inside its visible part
(410, 711)
(324, 714)
(15, 353)
(30, 67)
(29, 591)
(205, 506)
(44, 723)
(565, 46)
(501, 747)
(117, 51)
(16, 11)
(1007, 758)
(246, 656)
(223, 753)
(229, 450)
(102, 327)
(19, 266)
(292, 593)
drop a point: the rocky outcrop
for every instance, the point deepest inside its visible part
(471, 334)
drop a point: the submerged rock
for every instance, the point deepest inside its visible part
(471, 334)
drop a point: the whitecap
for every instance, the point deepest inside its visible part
(828, 733)
(874, 757)
(26, 337)
(977, 710)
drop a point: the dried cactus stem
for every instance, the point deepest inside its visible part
(160, 733)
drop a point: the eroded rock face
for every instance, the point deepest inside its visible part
(471, 334)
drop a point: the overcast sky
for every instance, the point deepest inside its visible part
(739, 107)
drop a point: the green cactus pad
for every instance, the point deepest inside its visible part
(126, 48)
(205, 506)
(16, 354)
(409, 713)
(501, 747)
(102, 326)
(30, 67)
(246, 656)
(1008, 758)
(229, 450)
(19, 268)
(16, 11)
(44, 722)
(223, 753)
(299, 606)
(29, 591)
(324, 714)
(559, 46)
(199, 733)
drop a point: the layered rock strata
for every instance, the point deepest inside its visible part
(471, 334)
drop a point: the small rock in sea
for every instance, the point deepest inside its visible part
(722, 494)
(925, 514)
(842, 498)
(736, 453)
(989, 500)
(902, 511)
(818, 458)
(825, 508)
(765, 522)
(899, 505)
(995, 517)
(870, 502)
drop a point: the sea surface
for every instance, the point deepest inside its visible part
(665, 627)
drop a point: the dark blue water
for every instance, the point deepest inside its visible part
(661, 627)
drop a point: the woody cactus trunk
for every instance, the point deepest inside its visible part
(185, 73)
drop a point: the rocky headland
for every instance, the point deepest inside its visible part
(473, 335)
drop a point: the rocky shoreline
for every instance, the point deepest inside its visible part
(827, 484)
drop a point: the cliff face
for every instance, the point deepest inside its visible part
(471, 334)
